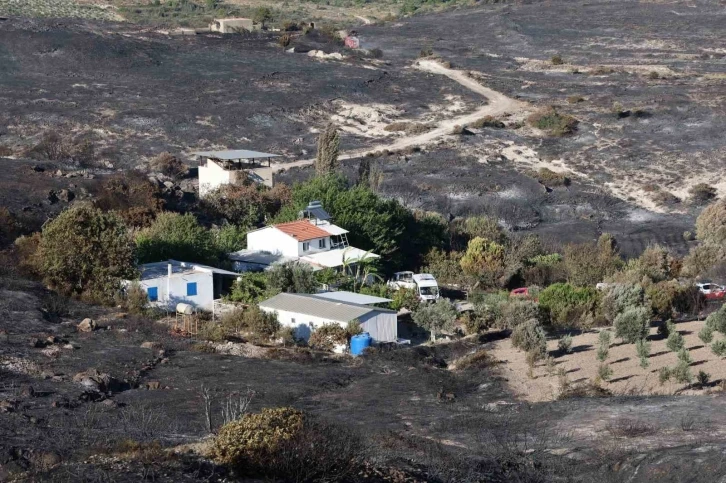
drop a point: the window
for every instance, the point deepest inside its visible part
(321, 243)
(306, 246)
(153, 293)
(191, 289)
(292, 320)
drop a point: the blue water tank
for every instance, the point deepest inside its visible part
(358, 343)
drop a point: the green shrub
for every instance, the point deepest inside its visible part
(675, 341)
(517, 311)
(719, 348)
(564, 345)
(487, 121)
(530, 337)
(252, 322)
(642, 348)
(633, 324)
(284, 444)
(682, 372)
(250, 288)
(557, 59)
(85, 251)
(169, 165)
(706, 335)
(136, 299)
(553, 122)
(618, 298)
(684, 355)
(405, 298)
(327, 336)
(552, 178)
(250, 440)
(604, 372)
(478, 359)
(352, 328)
(664, 375)
(717, 320)
(603, 349)
(561, 299)
(175, 236)
(286, 335)
(436, 317)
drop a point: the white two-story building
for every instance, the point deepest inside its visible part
(312, 240)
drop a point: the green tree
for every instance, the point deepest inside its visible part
(384, 226)
(633, 324)
(175, 236)
(292, 277)
(250, 287)
(642, 348)
(436, 317)
(86, 251)
(484, 259)
(590, 263)
(563, 299)
(262, 15)
(326, 161)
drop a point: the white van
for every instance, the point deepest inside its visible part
(424, 284)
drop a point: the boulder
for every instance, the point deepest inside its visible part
(150, 345)
(153, 385)
(7, 406)
(87, 325)
(44, 460)
(94, 381)
(37, 343)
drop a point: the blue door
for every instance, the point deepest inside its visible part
(153, 293)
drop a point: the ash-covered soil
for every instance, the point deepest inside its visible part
(416, 413)
(662, 68)
(137, 93)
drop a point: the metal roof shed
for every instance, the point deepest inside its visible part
(305, 313)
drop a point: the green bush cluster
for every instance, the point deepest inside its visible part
(632, 324)
(566, 303)
(327, 336)
(553, 122)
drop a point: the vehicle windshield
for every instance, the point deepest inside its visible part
(405, 277)
(429, 290)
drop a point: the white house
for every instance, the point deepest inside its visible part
(231, 25)
(312, 240)
(171, 282)
(305, 313)
(218, 168)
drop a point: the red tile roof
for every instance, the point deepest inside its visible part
(302, 230)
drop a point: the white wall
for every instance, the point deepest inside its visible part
(272, 240)
(212, 176)
(313, 247)
(178, 287)
(382, 326)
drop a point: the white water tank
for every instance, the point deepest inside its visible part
(185, 309)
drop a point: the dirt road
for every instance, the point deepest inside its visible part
(497, 105)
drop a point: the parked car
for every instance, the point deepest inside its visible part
(711, 291)
(424, 284)
(519, 292)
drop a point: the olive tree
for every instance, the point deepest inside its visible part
(437, 317)
(86, 251)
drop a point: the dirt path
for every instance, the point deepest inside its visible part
(498, 104)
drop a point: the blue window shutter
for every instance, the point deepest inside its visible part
(191, 289)
(153, 293)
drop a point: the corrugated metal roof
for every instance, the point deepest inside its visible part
(161, 269)
(230, 154)
(319, 307)
(352, 297)
(302, 230)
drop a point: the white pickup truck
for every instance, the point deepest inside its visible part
(424, 284)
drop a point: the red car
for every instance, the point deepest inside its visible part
(712, 291)
(519, 292)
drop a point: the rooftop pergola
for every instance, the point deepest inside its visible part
(235, 158)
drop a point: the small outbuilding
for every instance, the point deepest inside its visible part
(231, 25)
(305, 313)
(171, 282)
(233, 166)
